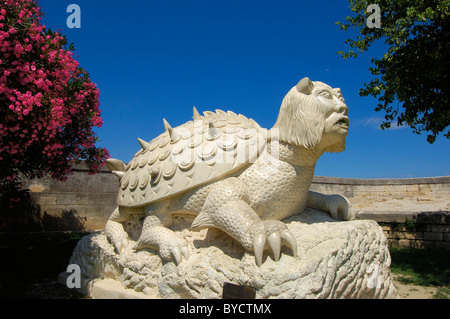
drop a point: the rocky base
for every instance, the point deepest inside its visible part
(335, 260)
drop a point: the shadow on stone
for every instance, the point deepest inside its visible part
(228, 245)
(68, 220)
(433, 218)
(19, 212)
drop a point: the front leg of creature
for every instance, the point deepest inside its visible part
(227, 208)
(155, 233)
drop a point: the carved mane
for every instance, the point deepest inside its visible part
(301, 120)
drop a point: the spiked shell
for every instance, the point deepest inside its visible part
(195, 153)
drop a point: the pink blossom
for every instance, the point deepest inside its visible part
(43, 100)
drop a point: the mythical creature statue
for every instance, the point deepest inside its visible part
(233, 175)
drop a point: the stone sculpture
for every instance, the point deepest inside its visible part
(336, 260)
(231, 174)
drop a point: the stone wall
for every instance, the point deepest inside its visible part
(432, 188)
(430, 230)
(85, 202)
(413, 212)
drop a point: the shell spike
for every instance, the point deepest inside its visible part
(196, 116)
(212, 130)
(153, 172)
(166, 125)
(173, 135)
(119, 174)
(211, 125)
(115, 164)
(143, 143)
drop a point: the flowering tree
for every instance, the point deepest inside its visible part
(48, 104)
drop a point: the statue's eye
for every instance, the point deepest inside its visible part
(325, 94)
(341, 98)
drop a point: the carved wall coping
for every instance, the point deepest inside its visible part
(381, 181)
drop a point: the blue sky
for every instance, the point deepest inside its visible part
(155, 59)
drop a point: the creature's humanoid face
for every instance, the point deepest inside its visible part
(335, 112)
(313, 115)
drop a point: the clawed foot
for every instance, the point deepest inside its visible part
(177, 250)
(339, 207)
(121, 244)
(116, 235)
(274, 234)
(166, 241)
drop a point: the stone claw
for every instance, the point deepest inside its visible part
(274, 234)
(170, 245)
(274, 241)
(290, 241)
(259, 243)
(178, 252)
(185, 252)
(122, 244)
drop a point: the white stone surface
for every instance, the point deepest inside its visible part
(335, 259)
(245, 214)
(232, 175)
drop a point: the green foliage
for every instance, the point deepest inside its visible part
(421, 266)
(412, 78)
(443, 293)
(410, 225)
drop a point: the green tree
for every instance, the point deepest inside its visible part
(411, 80)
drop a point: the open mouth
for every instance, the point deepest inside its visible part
(344, 122)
